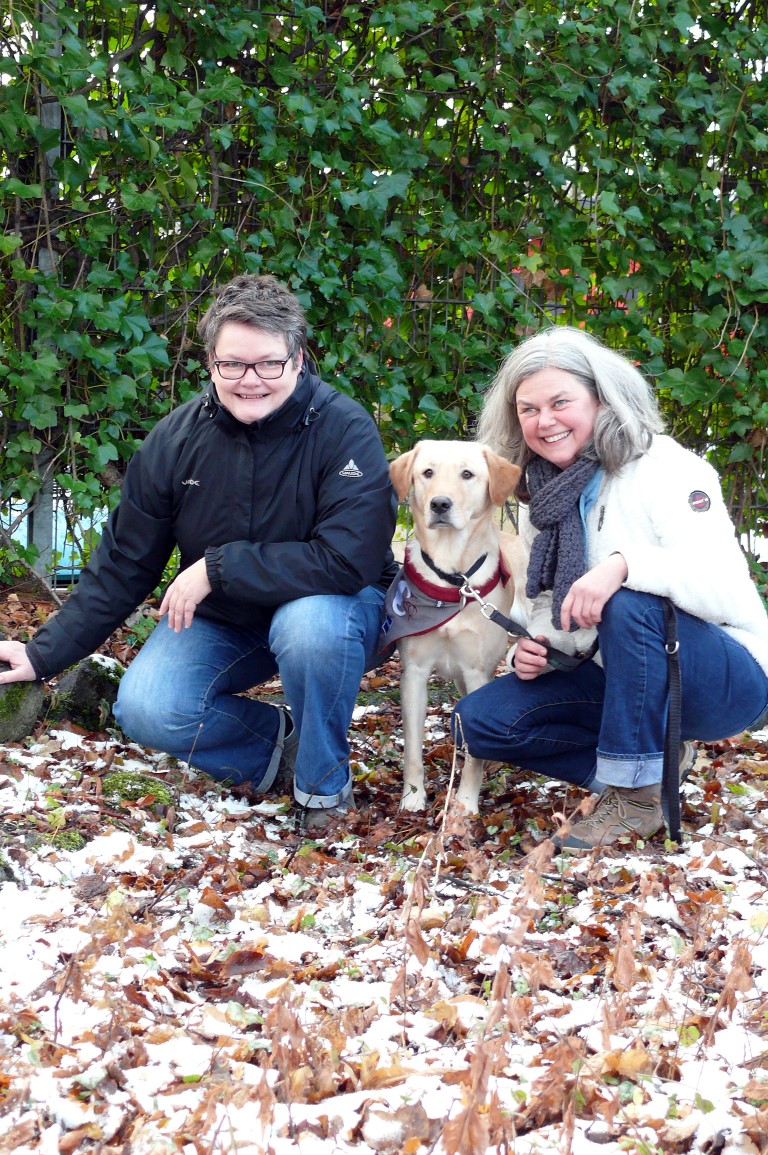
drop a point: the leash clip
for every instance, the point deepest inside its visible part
(556, 658)
(468, 591)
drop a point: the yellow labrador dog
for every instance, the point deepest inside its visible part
(456, 487)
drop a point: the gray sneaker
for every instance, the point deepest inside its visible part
(315, 819)
(688, 756)
(283, 783)
(619, 811)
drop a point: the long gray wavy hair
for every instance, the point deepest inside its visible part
(628, 415)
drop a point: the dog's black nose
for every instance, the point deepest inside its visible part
(440, 504)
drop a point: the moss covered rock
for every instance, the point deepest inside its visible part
(20, 707)
(86, 693)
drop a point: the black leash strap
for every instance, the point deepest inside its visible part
(556, 658)
(670, 781)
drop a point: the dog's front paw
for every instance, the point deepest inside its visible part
(469, 800)
(413, 799)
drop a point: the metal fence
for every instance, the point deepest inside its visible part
(64, 541)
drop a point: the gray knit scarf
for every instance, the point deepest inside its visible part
(558, 555)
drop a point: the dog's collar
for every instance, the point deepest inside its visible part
(455, 581)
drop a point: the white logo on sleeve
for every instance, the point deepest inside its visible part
(350, 469)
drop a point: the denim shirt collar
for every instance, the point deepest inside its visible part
(589, 493)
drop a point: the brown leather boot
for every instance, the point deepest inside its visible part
(619, 811)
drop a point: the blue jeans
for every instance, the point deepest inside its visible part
(181, 694)
(596, 727)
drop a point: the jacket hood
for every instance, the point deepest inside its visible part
(302, 407)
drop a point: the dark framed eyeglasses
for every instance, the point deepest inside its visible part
(267, 370)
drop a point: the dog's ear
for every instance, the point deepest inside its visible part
(401, 472)
(503, 477)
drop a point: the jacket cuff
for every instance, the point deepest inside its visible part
(40, 672)
(213, 568)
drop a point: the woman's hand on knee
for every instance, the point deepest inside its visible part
(184, 595)
(530, 658)
(587, 596)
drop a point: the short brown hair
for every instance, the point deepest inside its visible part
(262, 302)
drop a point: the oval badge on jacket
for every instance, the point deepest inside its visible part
(699, 501)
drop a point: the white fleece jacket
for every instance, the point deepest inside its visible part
(665, 513)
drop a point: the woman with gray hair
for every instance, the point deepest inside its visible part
(276, 490)
(622, 522)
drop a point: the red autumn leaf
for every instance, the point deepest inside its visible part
(209, 897)
(244, 962)
(416, 941)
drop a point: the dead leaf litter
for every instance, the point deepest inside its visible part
(184, 970)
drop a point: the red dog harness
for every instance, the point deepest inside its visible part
(416, 605)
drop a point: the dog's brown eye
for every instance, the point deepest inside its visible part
(428, 473)
(467, 474)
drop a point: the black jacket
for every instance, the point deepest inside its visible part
(297, 504)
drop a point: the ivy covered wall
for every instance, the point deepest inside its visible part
(435, 179)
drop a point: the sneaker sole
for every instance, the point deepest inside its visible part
(317, 819)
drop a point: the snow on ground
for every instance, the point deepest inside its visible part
(201, 977)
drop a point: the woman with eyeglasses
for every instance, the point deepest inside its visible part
(276, 489)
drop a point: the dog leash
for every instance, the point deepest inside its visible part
(670, 780)
(556, 658)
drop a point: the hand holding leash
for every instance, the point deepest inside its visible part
(530, 658)
(557, 659)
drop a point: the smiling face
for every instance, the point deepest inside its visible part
(557, 415)
(251, 398)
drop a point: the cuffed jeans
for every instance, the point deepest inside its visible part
(596, 727)
(181, 694)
